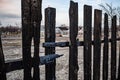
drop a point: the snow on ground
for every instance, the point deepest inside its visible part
(12, 50)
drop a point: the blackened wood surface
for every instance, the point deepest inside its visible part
(13, 65)
(87, 41)
(66, 44)
(36, 17)
(113, 49)
(50, 15)
(105, 48)
(2, 63)
(97, 44)
(26, 38)
(73, 49)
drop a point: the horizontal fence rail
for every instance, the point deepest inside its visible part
(18, 64)
(67, 44)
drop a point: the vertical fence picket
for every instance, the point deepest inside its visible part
(26, 38)
(105, 48)
(2, 63)
(113, 48)
(36, 21)
(97, 44)
(87, 41)
(73, 54)
(50, 15)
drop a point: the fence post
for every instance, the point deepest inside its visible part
(36, 17)
(73, 54)
(113, 48)
(97, 44)
(87, 41)
(105, 48)
(50, 15)
(2, 63)
(26, 38)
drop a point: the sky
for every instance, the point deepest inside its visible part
(10, 10)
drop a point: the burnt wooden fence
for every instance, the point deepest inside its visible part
(93, 44)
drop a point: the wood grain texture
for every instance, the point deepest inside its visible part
(27, 34)
(97, 44)
(105, 48)
(113, 48)
(50, 22)
(73, 48)
(87, 41)
(36, 17)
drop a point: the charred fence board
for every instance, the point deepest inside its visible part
(87, 41)
(66, 44)
(73, 48)
(105, 48)
(36, 17)
(13, 65)
(31, 30)
(26, 38)
(113, 48)
(2, 63)
(97, 44)
(50, 15)
(55, 44)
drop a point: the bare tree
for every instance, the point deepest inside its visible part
(109, 9)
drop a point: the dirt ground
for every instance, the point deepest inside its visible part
(12, 50)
